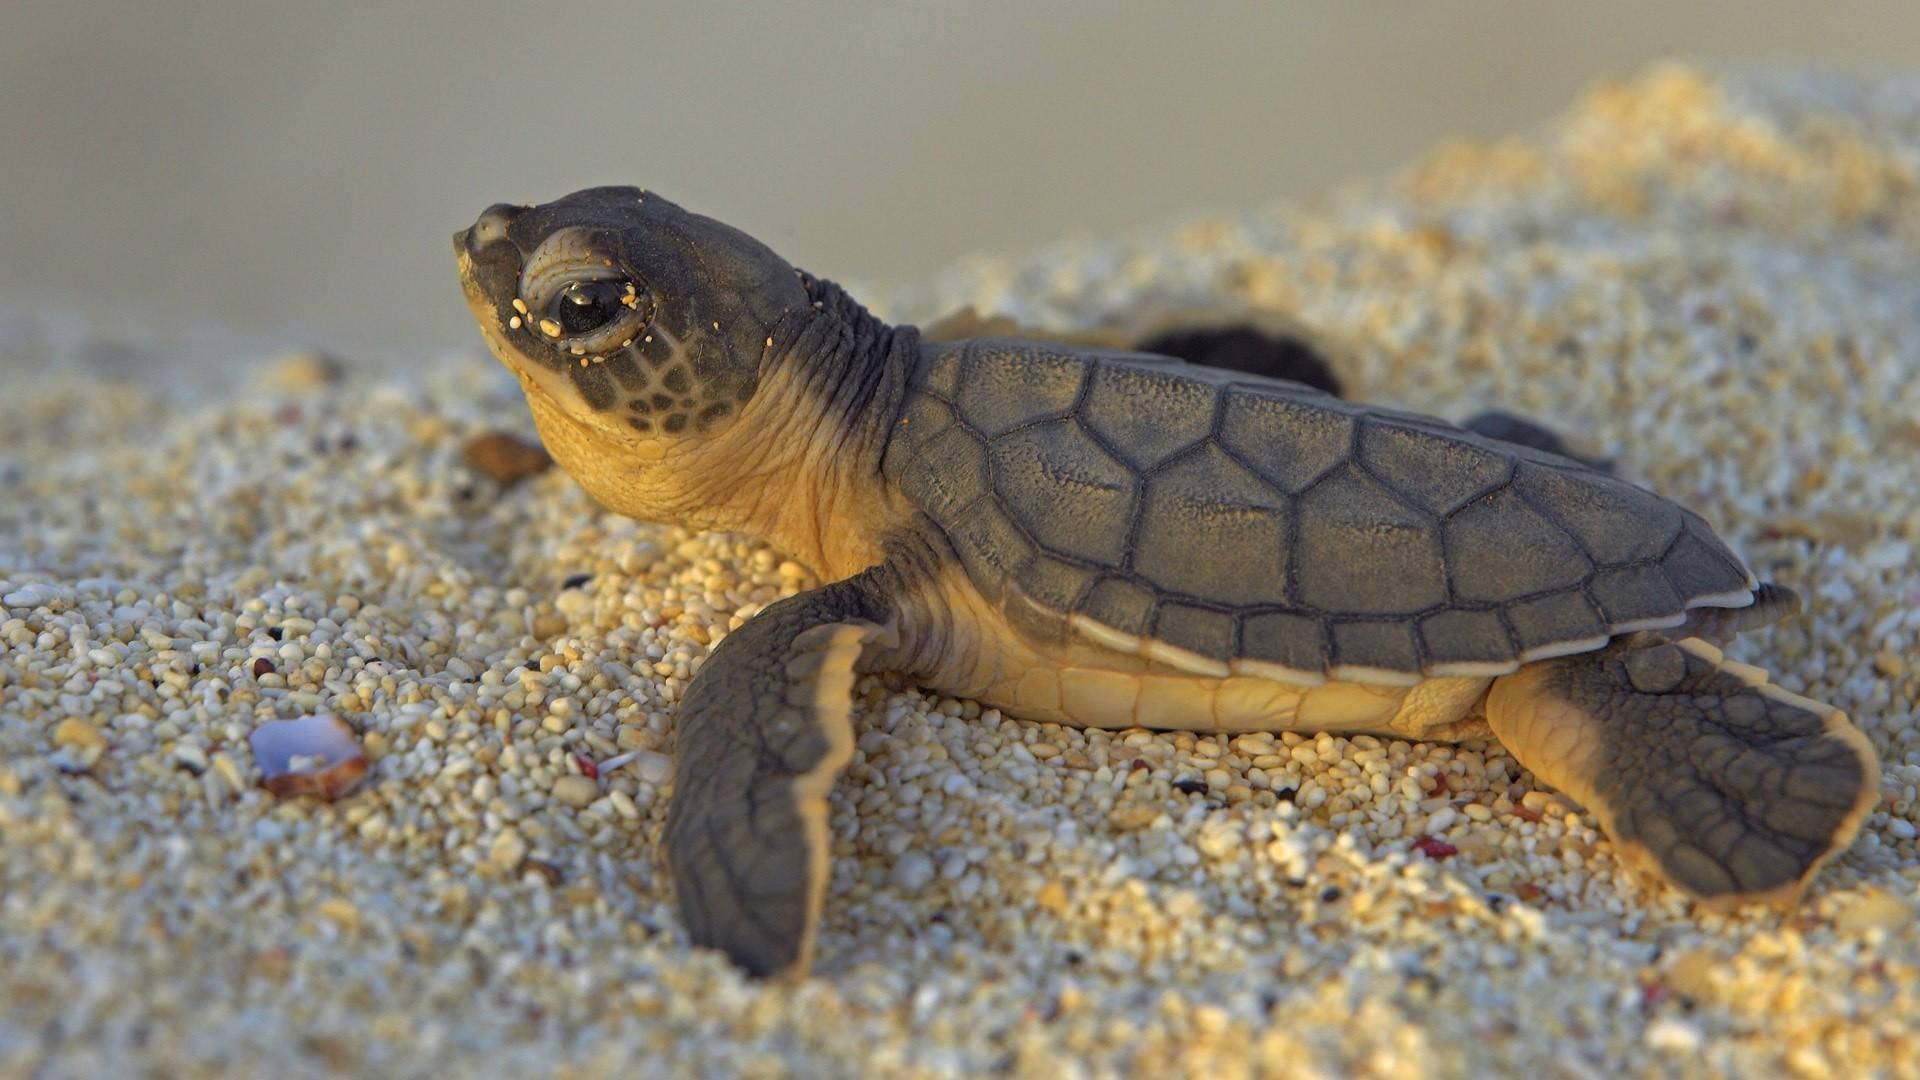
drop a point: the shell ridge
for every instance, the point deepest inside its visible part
(1553, 518)
(1290, 521)
(1513, 632)
(1446, 579)
(1150, 471)
(1732, 561)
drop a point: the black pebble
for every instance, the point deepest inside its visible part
(576, 581)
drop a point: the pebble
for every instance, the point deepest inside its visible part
(303, 370)
(1874, 909)
(1670, 1036)
(912, 871)
(29, 596)
(507, 850)
(228, 771)
(1693, 972)
(623, 804)
(575, 790)
(1217, 841)
(505, 458)
(191, 757)
(653, 767)
(78, 734)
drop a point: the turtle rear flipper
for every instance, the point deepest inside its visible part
(764, 733)
(1733, 790)
(1505, 426)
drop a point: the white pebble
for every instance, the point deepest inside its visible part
(191, 756)
(1218, 840)
(653, 767)
(912, 871)
(1672, 1036)
(29, 596)
(623, 804)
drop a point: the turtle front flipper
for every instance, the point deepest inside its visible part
(1733, 790)
(764, 732)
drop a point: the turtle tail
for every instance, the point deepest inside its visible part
(1771, 603)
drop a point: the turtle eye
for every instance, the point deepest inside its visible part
(585, 306)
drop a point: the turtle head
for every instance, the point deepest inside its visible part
(629, 321)
(682, 372)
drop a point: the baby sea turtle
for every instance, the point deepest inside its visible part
(1115, 539)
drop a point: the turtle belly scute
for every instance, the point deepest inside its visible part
(1081, 692)
(1082, 683)
(1116, 682)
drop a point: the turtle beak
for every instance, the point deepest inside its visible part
(483, 267)
(490, 228)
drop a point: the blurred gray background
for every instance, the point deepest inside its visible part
(292, 172)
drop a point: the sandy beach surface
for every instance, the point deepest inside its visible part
(1713, 280)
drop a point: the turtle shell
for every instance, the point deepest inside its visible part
(1252, 524)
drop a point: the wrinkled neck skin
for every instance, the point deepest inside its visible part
(799, 467)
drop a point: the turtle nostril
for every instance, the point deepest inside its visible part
(492, 226)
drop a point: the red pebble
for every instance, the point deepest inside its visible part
(262, 666)
(1439, 787)
(587, 768)
(1434, 848)
(1652, 994)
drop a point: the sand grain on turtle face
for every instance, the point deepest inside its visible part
(1714, 282)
